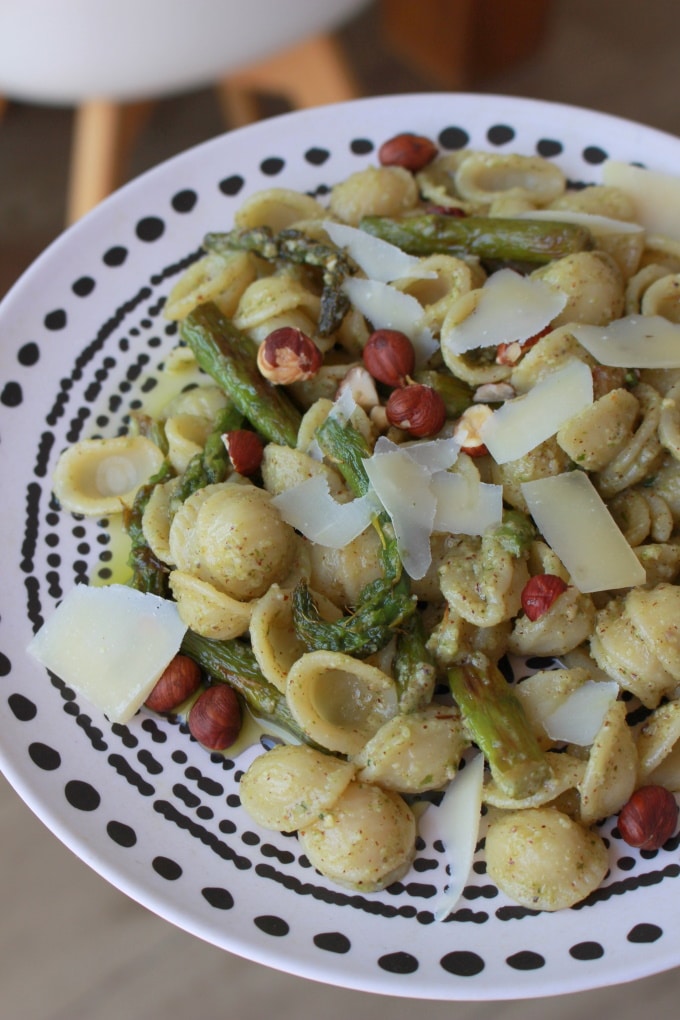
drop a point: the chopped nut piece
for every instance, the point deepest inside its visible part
(467, 429)
(288, 355)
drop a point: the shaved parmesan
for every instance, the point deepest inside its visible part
(388, 308)
(634, 341)
(598, 225)
(528, 420)
(311, 509)
(464, 506)
(379, 259)
(510, 307)
(579, 718)
(403, 487)
(456, 824)
(575, 522)
(656, 195)
(433, 454)
(110, 645)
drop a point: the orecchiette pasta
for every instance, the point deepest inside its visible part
(338, 700)
(383, 853)
(293, 786)
(543, 859)
(99, 477)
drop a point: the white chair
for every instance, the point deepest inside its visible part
(110, 59)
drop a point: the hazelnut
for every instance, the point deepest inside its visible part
(467, 429)
(540, 592)
(215, 718)
(179, 680)
(288, 355)
(389, 356)
(245, 449)
(649, 818)
(417, 409)
(412, 152)
(362, 387)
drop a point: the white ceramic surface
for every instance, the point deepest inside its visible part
(82, 333)
(72, 50)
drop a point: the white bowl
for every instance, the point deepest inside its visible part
(144, 806)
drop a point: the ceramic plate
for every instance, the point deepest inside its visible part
(142, 804)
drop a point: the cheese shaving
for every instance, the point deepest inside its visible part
(379, 259)
(403, 487)
(456, 824)
(385, 307)
(110, 644)
(656, 195)
(310, 508)
(576, 524)
(634, 341)
(579, 718)
(464, 506)
(526, 421)
(510, 307)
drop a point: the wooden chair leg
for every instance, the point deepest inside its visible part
(103, 135)
(312, 73)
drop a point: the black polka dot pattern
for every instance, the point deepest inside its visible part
(159, 810)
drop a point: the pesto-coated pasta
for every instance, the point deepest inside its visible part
(293, 786)
(543, 859)
(385, 850)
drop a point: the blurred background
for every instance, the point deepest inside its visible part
(71, 946)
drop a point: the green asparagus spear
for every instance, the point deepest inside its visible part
(489, 237)
(496, 722)
(368, 629)
(233, 663)
(149, 574)
(385, 603)
(230, 357)
(294, 246)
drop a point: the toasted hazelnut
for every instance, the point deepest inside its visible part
(179, 680)
(649, 818)
(467, 429)
(540, 592)
(494, 393)
(412, 152)
(288, 355)
(215, 718)
(389, 356)
(245, 449)
(417, 409)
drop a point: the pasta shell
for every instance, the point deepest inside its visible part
(206, 610)
(657, 740)
(339, 701)
(544, 860)
(374, 191)
(483, 176)
(278, 209)
(293, 786)
(97, 477)
(217, 278)
(272, 635)
(414, 752)
(566, 773)
(611, 773)
(366, 841)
